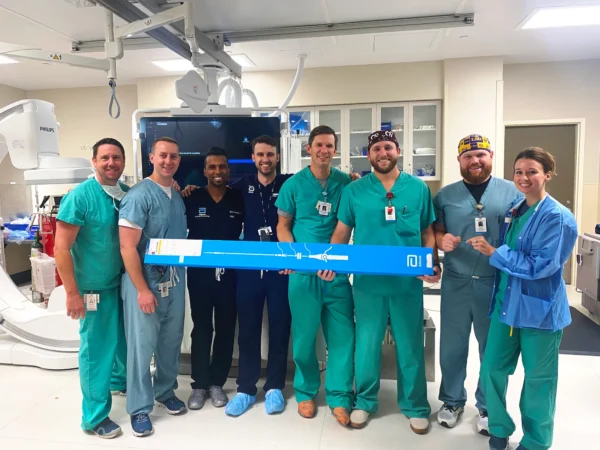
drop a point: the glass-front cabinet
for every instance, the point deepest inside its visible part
(425, 138)
(417, 126)
(361, 121)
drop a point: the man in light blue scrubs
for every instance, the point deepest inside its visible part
(153, 296)
(474, 206)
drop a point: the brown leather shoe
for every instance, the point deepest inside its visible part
(342, 415)
(307, 409)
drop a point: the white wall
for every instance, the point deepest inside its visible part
(472, 105)
(322, 86)
(564, 90)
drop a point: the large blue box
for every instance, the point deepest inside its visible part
(357, 259)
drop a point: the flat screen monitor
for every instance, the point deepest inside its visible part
(197, 134)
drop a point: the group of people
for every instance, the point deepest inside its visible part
(504, 245)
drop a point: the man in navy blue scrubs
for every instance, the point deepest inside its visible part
(260, 192)
(214, 212)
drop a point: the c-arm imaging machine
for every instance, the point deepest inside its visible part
(30, 335)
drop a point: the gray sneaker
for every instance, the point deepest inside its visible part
(197, 398)
(218, 396)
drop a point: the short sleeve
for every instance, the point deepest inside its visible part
(285, 200)
(428, 211)
(73, 208)
(439, 209)
(346, 210)
(134, 207)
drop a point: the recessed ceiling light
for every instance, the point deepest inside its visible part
(7, 60)
(174, 65)
(243, 60)
(562, 16)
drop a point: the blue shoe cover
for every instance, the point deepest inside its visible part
(274, 403)
(239, 404)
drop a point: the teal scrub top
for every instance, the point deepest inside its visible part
(363, 208)
(512, 235)
(456, 210)
(299, 196)
(96, 252)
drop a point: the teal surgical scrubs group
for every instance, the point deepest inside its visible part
(314, 302)
(376, 298)
(98, 268)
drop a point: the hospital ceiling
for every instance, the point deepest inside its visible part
(54, 25)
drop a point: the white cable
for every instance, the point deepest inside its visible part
(295, 84)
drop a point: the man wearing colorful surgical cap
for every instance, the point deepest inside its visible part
(392, 208)
(474, 206)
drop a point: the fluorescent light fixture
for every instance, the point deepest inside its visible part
(174, 65)
(243, 60)
(6, 60)
(562, 16)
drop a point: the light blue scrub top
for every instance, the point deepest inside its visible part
(149, 207)
(96, 252)
(455, 208)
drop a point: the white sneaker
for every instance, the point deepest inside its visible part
(482, 424)
(448, 415)
(419, 426)
(359, 419)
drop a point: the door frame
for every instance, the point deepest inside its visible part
(579, 165)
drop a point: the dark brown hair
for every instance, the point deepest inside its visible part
(540, 155)
(264, 139)
(107, 141)
(322, 129)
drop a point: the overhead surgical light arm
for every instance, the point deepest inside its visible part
(114, 44)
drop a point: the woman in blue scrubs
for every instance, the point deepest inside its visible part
(529, 307)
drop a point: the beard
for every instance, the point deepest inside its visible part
(388, 169)
(486, 171)
(266, 170)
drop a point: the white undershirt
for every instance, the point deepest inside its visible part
(128, 223)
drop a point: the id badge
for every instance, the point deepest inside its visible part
(390, 213)
(265, 233)
(163, 289)
(480, 225)
(91, 301)
(324, 208)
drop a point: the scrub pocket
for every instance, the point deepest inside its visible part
(408, 226)
(533, 311)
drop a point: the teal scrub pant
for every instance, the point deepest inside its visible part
(314, 302)
(158, 334)
(539, 353)
(405, 312)
(465, 301)
(102, 357)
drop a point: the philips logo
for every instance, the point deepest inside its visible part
(46, 129)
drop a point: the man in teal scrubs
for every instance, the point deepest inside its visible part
(392, 208)
(89, 262)
(473, 206)
(307, 207)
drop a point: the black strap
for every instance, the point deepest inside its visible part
(262, 200)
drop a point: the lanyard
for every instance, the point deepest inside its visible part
(262, 200)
